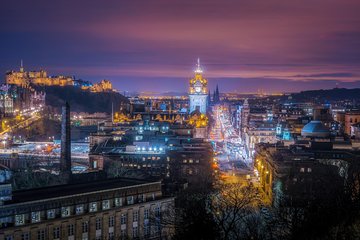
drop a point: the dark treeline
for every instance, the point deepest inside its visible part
(324, 96)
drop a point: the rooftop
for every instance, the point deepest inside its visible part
(315, 129)
(72, 189)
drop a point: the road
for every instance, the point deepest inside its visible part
(30, 117)
(230, 153)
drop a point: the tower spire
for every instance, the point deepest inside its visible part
(21, 66)
(198, 67)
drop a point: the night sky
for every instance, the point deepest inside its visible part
(244, 45)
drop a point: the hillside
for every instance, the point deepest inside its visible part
(335, 94)
(82, 100)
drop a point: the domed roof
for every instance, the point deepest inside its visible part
(315, 129)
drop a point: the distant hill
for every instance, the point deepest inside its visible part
(335, 94)
(82, 100)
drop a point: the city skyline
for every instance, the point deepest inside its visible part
(181, 119)
(278, 46)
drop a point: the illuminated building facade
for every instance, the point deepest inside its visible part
(198, 92)
(351, 117)
(102, 86)
(152, 149)
(23, 78)
(6, 101)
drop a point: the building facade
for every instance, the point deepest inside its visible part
(198, 92)
(23, 78)
(351, 117)
(296, 175)
(108, 209)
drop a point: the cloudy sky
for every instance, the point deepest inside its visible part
(244, 45)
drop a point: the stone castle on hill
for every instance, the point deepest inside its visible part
(26, 78)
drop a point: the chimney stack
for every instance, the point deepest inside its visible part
(65, 157)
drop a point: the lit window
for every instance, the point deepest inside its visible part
(79, 209)
(309, 169)
(118, 202)
(93, 207)
(105, 204)
(51, 214)
(35, 217)
(302, 169)
(65, 211)
(130, 200)
(19, 219)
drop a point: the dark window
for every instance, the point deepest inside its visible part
(56, 232)
(85, 227)
(98, 224)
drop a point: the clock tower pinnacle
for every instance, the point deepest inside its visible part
(198, 91)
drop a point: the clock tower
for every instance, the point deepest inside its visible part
(198, 92)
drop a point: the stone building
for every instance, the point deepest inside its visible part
(351, 117)
(6, 101)
(307, 171)
(23, 78)
(102, 86)
(107, 209)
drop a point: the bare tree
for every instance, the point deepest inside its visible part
(232, 206)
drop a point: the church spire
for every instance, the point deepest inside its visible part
(21, 66)
(198, 67)
(209, 98)
(217, 94)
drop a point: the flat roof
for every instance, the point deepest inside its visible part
(56, 191)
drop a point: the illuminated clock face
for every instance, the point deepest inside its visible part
(198, 89)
